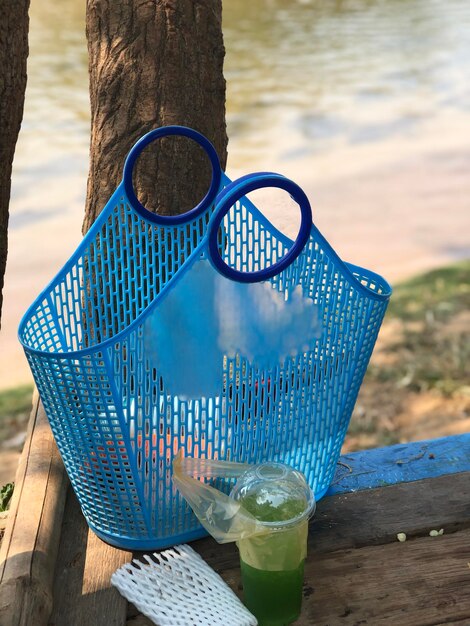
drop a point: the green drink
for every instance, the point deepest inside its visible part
(275, 598)
(272, 563)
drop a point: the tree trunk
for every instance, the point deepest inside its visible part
(14, 24)
(154, 63)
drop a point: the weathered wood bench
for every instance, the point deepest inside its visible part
(54, 571)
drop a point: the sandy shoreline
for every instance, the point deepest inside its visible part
(397, 217)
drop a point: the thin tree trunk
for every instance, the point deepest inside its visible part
(154, 63)
(14, 25)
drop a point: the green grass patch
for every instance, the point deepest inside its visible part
(6, 493)
(16, 401)
(443, 292)
(431, 350)
(15, 408)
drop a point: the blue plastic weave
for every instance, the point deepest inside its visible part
(116, 425)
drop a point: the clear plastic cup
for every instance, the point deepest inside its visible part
(272, 564)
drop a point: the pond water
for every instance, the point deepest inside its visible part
(354, 71)
(303, 76)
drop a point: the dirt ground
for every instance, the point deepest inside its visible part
(414, 390)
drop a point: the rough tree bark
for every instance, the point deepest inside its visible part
(14, 25)
(154, 63)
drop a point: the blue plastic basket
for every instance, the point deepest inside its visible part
(116, 423)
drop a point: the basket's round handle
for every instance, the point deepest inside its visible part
(158, 133)
(227, 199)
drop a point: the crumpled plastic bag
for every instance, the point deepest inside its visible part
(222, 516)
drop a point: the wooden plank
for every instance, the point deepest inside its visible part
(135, 618)
(30, 545)
(422, 582)
(401, 463)
(425, 581)
(70, 564)
(99, 597)
(139, 620)
(342, 522)
(373, 517)
(82, 590)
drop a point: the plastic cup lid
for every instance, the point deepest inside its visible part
(275, 494)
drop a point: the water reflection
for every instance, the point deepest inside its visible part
(57, 102)
(357, 70)
(320, 72)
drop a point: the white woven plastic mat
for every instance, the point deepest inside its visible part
(177, 588)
